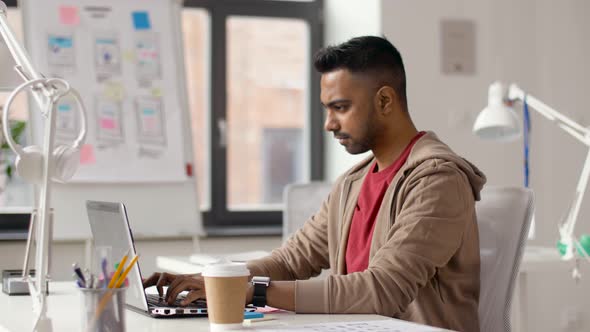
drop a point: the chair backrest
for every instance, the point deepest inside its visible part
(301, 201)
(503, 217)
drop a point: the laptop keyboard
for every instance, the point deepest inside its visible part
(156, 300)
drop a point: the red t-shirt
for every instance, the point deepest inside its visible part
(367, 207)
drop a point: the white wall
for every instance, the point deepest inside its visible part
(346, 19)
(541, 45)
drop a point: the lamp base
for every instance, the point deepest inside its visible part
(13, 282)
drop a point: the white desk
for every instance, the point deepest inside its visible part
(535, 261)
(178, 264)
(64, 310)
(184, 265)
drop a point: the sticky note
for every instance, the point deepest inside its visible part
(64, 108)
(129, 56)
(252, 315)
(107, 124)
(60, 42)
(150, 125)
(149, 111)
(114, 91)
(68, 15)
(141, 20)
(156, 92)
(268, 309)
(87, 155)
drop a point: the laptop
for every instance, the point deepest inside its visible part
(110, 227)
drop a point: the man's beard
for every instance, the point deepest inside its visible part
(365, 143)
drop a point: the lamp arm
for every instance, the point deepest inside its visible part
(570, 126)
(46, 96)
(566, 230)
(21, 57)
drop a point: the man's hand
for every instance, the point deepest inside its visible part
(194, 284)
(176, 284)
(159, 280)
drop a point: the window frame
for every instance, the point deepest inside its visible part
(219, 220)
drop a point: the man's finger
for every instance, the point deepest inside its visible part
(173, 292)
(151, 280)
(192, 296)
(173, 285)
(164, 280)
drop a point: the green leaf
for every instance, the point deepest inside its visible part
(9, 171)
(17, 128)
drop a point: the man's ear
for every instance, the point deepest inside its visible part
(386, 99)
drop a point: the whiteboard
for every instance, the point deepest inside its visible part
(123, 59)
(161, 199)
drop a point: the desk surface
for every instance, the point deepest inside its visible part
(64, 310)
(541, 258)
(534, 258)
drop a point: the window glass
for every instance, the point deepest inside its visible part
(267, 109)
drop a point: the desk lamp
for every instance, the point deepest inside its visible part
(498, 121)
(40, 165)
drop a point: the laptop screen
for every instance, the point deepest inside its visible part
(110, 228)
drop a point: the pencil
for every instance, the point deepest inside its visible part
(127, 270)
(249, 322)
(118, 271)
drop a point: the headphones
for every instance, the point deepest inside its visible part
(65, 158)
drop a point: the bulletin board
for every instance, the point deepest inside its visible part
(123, 58)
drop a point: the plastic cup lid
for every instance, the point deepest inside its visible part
(226, 270)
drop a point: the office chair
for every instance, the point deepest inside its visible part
(503, 216)
(301, 201)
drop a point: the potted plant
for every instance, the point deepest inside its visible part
(17, 128)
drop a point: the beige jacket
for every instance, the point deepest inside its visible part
(424, 258)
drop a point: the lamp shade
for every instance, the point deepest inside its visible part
(497, 121)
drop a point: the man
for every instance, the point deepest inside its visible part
(398, 231)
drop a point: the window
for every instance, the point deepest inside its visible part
(196, 31)
(253, 95)
(266, 91)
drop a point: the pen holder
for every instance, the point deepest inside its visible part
(103, 309)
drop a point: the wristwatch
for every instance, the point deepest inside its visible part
(260, 285)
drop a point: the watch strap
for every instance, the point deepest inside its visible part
(259, 296)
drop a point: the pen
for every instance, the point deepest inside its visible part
(103, 265)
(79, 274)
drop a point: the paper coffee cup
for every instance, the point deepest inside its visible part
(225, 286)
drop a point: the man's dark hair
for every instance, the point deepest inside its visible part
(371, 55)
